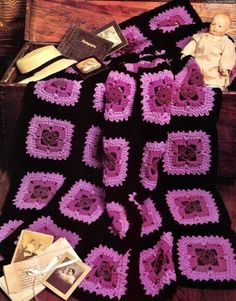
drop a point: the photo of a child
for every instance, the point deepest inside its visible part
(66, 276)
(31, 244)
(88, 65)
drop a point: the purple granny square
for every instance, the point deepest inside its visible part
(187, 153)
(49, 138)
(206, 258)
(37, 189)
(192, 206)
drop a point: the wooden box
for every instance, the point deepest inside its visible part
(46, 23)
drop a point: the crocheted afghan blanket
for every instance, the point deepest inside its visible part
(123, 165)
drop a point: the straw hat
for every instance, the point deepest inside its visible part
(45, 61)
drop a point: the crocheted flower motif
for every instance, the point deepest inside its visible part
(191, 97)
(187, 153)
(206, 258)
(156, 268)
(192, 206)
(115, 161)
(170, 19)
(152, 153)
(47, 226)
(108, 274)
(119, 96)
(37, 190)
(91, 155)
(49, 138)
(137, 42)
(120, 224)
(98, 97)
(8, 228)
(151, 217)
(157, 96)
(60, 91)
(84, 202)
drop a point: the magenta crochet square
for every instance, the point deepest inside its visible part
(46, 225)
(8, 228)
(108, 276)
(156, 267)
(60, 91)
(137, 42)
(37, 189)
(91, 155)
(156, 94)
(191, 97)
(152, 153)
(169, 19)
(98, 97)
(187, 153)
(115, 161)
(151, 217)
(49, 138)
(119, 96)
(206, 258)
(84, 202)
(120, 223)
(192, 206)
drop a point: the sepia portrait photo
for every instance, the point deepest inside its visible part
(31, 244)
(112, 33)
(88, 65)
(65, 279)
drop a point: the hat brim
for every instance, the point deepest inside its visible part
(49, 70)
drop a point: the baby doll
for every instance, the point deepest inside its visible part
(214, 52)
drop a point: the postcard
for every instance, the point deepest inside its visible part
(112, 32)
(29, 273)
(69, 273)
(31, 244)
(90, 66)
(79, 44)
(26, 295)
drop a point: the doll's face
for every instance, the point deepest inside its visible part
(219, 25)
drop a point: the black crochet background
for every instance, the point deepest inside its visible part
(83, 115)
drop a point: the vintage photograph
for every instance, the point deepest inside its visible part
(88, 65)
(65, 279)
(112, 33)
(19, 275)
(31, 244)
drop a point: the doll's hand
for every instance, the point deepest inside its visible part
(224, 72)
